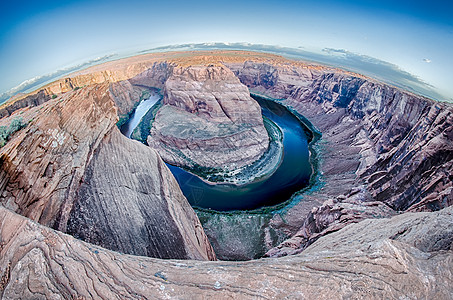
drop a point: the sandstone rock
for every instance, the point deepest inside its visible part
(43, 165)
(153, 77)
(208, 120)
(125, 95)
(142, 71)
(130, 202)
(392, 146)
(31, 100)
(384, 151)
(63, 158)
(372, 259)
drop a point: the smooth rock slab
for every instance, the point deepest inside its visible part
(130, 202)
(39, 263)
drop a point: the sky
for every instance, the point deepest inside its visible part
(42, 37)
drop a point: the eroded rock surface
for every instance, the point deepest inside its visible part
(70, 163)
(382, 150)
(32, 100)
(374, 259)
(208, 120)
(130, 202)
(42, 167)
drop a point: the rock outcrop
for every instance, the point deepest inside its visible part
(208, 120)
(42, 167)
(408, 256)
(130, 202)
(127, 93)
(128, 78)
(59, 169)
(28, 101)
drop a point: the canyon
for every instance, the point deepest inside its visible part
(375, 221)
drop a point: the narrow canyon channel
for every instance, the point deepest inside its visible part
(292, 175)
(143, 107)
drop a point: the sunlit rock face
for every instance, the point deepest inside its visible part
(405, 140)
(406, 256)
(208, 120)
(44, 163)
(130, 202)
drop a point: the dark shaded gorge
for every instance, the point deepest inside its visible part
(291, 176)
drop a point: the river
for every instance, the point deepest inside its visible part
(143, 107)
(292, 175)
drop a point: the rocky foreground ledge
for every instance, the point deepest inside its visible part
(406, 257)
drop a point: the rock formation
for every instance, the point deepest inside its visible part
(376, 223)
(407, 257)
(130, 202)
(59, 169)
(208, 120)
(42, 167)
(382, 151)
(29, 101)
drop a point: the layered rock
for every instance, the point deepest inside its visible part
(141, 71)
(42, 167)
(128, 93)
(208, 120)
(383, 152)
(125, 95)
(408, 256)
(59, 169)
(28, 101)
(381, 147)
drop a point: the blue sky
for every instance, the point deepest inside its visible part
(39, 37)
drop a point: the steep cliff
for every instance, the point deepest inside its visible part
(208, 120)
(59, 168)
(130, 202)
(383, 150)
(125, 95)
(42, 167)
(408, 256)
(28, 101)
(141, 71)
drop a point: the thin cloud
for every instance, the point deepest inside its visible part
(340, 58)
(36, 82)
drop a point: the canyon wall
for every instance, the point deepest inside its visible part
(130, 202)
(128, 78)
(69, 168)
(28, 101)
(43, 165)
(382, 151)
